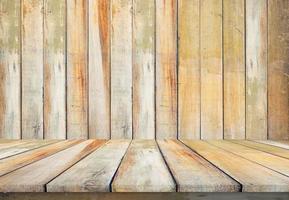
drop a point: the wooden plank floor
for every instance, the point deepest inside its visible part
(144, 166)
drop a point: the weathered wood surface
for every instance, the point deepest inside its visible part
(143, 170)
(94, 173)
(252, 176)
(4, 145)
(143, 69)
(99, 69)
(189, 69)
(193, 173)
(279, 143)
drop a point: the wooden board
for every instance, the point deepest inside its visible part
(10, 69)
(189, 105)
(166, 69)
(256, 69)
(99, 69)
(17, 161)
(33, 177)
(143, 69)
(121, 69)
(193, 173)
(94, 173)
(32, 69)
(234, 68)
(54, 69)
(211, 70)
(278, 69)
(77, 96)
(278, 143)
(252, 176)
(143, 170)
(11, 144)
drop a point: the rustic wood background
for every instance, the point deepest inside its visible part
(192, 69)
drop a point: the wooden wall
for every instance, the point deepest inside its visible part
(195, 69)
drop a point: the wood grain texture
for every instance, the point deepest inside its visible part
(166, 69)
(143, 170)
(193, 173)
(252, 176)
(4, 145)
(278, 69)
(94, 173)
(33, 177)
(143, 69)
(256, 69)
(32, 69)
(10, 69)
(77, 95)
(121, 69)
(211, 70)
(278, 143)
(234, 68)
(189, 105)
(99, 69)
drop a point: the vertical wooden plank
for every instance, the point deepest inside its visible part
(99, 69)
(32, 69)
(121, 69)
(256, 69)
(77, 69)
(234, 68)
(54, 69)
(278, 69)
(10, 69)
(189, 69)
(143, 69)
(166, 69)
(211, 70)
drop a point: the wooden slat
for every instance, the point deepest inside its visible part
(211, 70)
(143, 170)
(166, 69)
(32, 69)
(15, 162)
(252, 176)
(54, 69)
(121, 69)
(278, 69)
(143, 69)
(234, 68)
(77, 97)
(10, 69)
(278, 143)
(33, 177)
(99, 69)
(94, 173)
(193, 173)
(189, 69)
(256, 69)
(11, 144)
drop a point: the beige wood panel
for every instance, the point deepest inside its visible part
(4, 145)
(278, 143)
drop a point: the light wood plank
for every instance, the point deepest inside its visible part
(32, 69)
(166, 69)
(15, 162)
(193, 173)
(211, 70)
(77, 97)
(54, 69)
(256, 69)
(278, 143)
(143, 69)
(234, 68)
(278, 69)
(10, 69)
(252, 176)
(143, 170)
(11, 144)
(121, 69)
(99, 69)
(189, 105)
(94, 173)
(32, 178)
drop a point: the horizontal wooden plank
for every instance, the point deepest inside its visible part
(8, 144)
(94, 173)
(143, 170)
(280, 143)
(193, 173)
